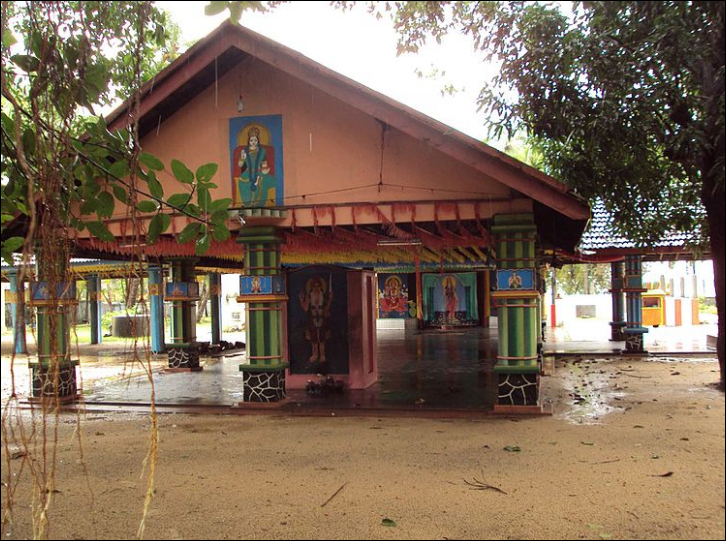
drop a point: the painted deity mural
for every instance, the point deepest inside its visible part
(515, 279)
(255, 146)
(393, 299)
(318, 321)
(450, 299)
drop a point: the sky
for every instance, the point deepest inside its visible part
(358, 46)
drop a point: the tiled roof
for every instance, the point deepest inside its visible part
(601, 234)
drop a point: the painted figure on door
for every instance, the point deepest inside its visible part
(316, 301)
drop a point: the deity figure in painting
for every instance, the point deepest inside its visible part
(316, 301)
(451, 300)
(393, 298)
(515, 281)
(253, 169)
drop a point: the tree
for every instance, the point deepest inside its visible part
(75, 57)
(624, 100)
(63, 171)
(583, 279)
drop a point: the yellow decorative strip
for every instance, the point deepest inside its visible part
(519, 294)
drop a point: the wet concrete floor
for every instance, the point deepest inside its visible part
(418, 370)
(429, 369)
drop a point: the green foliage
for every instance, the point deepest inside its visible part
(182, 172)
(235, 8)
(707, 305)
(206, 172)
(63, 70)
(151, 161)
(624, 100)
(147, 206)
(157, 226)
(9, 246)
(584, 279)
(190, 232)
(99, 230)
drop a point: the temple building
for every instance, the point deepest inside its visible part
(352, 212)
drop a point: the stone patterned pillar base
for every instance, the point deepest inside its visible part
(617, 333)
(52, 381)
(634, 340)
(184, 357)
(518, 389)
(263, 385)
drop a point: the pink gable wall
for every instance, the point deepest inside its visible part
(332, 151)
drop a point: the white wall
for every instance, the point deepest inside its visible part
(698, 272)
(233, 313)
(567, 306)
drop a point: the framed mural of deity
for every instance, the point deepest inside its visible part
(318, 321)
(393, 296)
(515, 279)
(255, 149)
(450, 299)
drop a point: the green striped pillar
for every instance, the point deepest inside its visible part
(53, 372)
(517, 296)
(183, 293)
(262, 289)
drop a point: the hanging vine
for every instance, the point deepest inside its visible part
(63, 173)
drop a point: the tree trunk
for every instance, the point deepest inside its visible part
(713, 190)
(713, 196)
(132, 296)
(203, 301)
(718, 239)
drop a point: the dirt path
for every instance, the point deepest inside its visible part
(635, 450)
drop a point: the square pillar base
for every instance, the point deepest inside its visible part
(183, 356)
(263, 385)
(634, 340)
(49, 383)
(516, 389)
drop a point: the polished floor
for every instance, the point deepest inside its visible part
(425, 370)
(418, 371)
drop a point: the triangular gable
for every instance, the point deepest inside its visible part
(229, 44)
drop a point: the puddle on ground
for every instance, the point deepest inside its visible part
(690, 360)
(589, 394)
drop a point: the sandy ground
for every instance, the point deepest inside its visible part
(634, 450)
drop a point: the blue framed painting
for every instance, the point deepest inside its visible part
(393, 296)
(450, 299)
(64, 290)
(262, 285)
(255, 150)
(513, 279)
(182, 289)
